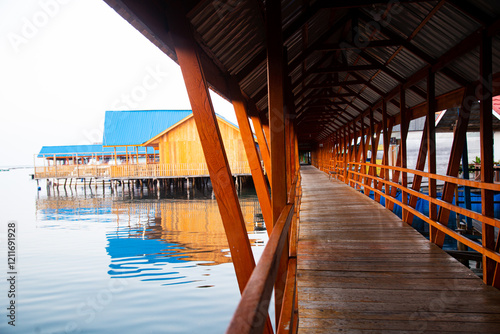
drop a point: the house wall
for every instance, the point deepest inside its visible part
(182, 144)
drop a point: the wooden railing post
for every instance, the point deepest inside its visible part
(417, 179)
(405, 122)
(385, 160)
(459, 138)
(491, 270)
(431, 146)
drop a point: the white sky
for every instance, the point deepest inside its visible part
(64, 63)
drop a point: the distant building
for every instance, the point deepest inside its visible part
(173, 134)
(87, 154)
(144, 144)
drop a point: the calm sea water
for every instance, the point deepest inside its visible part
(93, 262)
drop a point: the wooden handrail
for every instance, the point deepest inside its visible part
(452, 207)
(445, 178)
(251, 313)
(469, 213)
(476, 246)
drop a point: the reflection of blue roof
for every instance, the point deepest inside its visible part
(85, 150)
(143, 258)
(138, 126)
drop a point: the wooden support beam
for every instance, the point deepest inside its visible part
(372, 171)
(297, 24)
(346, 152)
(405, 122)
(362, 151)
(386, 138)
(417, 179)
(404, 133)
(320, 40)
(343, 46)
(459, 138)
(431, 146)
(346, 68)
(263, 145)
(335, 84)
(490, 267)
(359, 3)
(329, 96)
(211, 141)
(275, 80)
(252, 154)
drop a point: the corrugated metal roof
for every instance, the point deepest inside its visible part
(123, 128)
(410, 37)
(86, 150)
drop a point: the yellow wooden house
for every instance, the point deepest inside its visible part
(180, 145)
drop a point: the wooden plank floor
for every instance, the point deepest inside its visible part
(362, 270)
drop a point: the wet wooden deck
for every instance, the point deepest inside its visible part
(362, 270)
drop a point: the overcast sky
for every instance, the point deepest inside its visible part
(64, 63)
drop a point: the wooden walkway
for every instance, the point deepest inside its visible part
(362, 270)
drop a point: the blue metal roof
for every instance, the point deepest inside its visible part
(136, 127)
(85, 150)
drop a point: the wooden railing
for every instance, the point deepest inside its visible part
(132, 170)
(251, 313)
(358, 175)
(72, 171)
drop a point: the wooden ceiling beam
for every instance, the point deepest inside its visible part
(343, 46)
(261, 57)
(359, 3)
(405, 43)
(332, 96)
(472, 11)
(335, 84)
(346, 68)
(323, 38)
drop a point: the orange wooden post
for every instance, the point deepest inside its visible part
(346, 154)
(252, 155)
(374, 146)
(263, 145)
(431, 146)
(417, 179)
(362, 159)
(459, 137)
(267, 133)
(404, 136)
(385, 172)
(490, 267)
(275, 86)
(222, 181)
(355, 153)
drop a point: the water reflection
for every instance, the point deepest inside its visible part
(154, 239)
